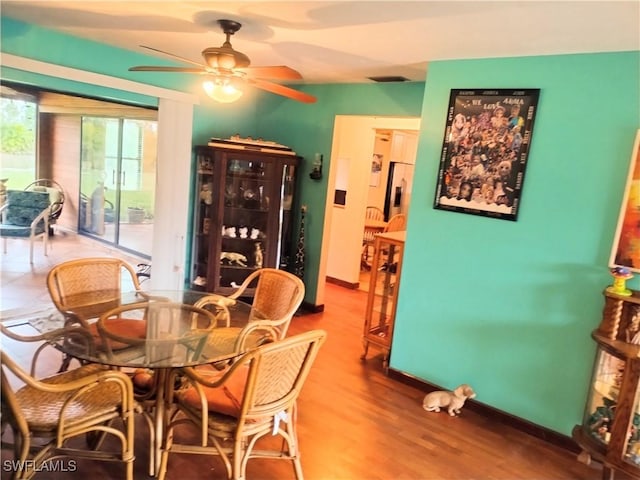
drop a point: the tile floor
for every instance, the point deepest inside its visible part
(21, 282)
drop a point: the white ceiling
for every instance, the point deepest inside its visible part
(348, 41)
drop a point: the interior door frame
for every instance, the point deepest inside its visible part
(343, 225)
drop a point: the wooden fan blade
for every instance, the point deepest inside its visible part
(178, 57)
(282, 90)
(279, 72)
(151, 68)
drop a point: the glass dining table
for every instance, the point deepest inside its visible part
(154, 332)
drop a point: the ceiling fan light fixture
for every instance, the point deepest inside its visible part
(223, 90)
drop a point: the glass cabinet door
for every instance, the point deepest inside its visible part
(384, 283)
(247, 233)
(205, 204)
(603, 397)
(383, 292)
(603, 416)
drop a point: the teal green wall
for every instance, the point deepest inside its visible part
(508, 307)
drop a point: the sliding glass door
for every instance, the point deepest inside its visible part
(117, 181)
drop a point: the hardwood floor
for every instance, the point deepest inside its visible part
(357, 423)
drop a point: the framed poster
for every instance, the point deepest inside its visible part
(376, 169)
(626, 244)
(484, 151)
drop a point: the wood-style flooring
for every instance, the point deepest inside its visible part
(357, 423)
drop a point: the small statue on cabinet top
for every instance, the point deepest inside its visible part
(257, 255)
(453, 401)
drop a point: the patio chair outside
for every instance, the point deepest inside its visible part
(26, 215)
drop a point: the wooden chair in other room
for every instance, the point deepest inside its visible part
(252, 401)
(86, 288)
(372, 214)
(397, 223)
(56, 409)
(278, 294)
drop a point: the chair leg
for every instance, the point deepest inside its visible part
(45, 236)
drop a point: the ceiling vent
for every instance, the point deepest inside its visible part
(389, 78)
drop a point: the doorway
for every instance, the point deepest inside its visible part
(352, 157)
(117, 182)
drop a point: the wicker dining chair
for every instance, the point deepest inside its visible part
(85, 288)
(278, 295)
(253, 399)
(57, 409)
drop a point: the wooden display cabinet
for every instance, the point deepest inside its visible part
(382, 301)
(242, 215)
(610, 431)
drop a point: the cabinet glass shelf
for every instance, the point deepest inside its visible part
(380, 314)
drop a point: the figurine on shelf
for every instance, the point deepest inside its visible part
(230, 232)
(255, 233)
(452, 401)
(206, 195)
(234, 258)
(257, 255)
(243, 232)
(620, 277)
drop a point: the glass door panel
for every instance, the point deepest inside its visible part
(118, 181)
(137, 185)
(98, 182)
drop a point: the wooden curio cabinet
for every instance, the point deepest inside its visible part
(384, 283)
(242, 215)
(610, 430)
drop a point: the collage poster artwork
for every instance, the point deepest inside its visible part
(626, 246)
(484, 152)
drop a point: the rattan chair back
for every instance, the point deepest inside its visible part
(89, 286)
(275, 374)
(277, 297)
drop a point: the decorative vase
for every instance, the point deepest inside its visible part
(620, 277)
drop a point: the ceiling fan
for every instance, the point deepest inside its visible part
(228, 71)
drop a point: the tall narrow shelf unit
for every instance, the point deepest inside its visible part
(382, 301)
(242, 215)
(610, 430)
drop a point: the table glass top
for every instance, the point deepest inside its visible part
(153, 329)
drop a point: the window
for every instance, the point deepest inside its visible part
(18, 123)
